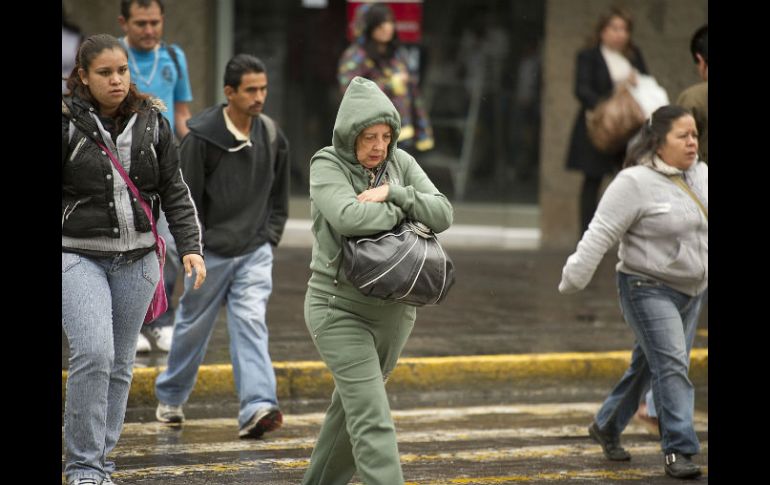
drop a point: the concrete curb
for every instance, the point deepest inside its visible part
(311, 379)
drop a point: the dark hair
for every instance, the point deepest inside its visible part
(653, 133)
(88, 51)
(700, 44)
(240, 65)
(604, 20)
(375, 16)
(125, 6)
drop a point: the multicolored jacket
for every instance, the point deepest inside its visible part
(399, 84)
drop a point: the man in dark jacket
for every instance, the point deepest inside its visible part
(235, 161)
(696, 97)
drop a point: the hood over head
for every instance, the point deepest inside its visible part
(363, 105)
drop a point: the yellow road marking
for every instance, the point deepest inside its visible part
(311, 378)
(630, 474)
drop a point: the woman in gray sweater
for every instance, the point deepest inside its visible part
(657, 208)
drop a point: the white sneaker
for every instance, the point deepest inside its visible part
(162, 337)
(166, 413)
(107, 480)
(142, 344)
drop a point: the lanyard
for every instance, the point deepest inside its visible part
(146, 81)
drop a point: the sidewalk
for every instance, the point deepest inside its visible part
(504, 304)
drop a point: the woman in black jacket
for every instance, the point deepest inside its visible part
(611, 60)
(110, 268)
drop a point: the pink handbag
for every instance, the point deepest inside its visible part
(159, 303)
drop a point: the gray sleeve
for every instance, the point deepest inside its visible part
(618, 209)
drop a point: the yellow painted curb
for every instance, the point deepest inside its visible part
(311, 379)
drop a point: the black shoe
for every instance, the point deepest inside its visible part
(610, 445)
(680, 466)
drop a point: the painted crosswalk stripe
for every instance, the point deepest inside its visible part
(453, 426)
(477, 456)
(404, 437)
(428, 415)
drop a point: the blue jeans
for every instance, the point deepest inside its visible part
(691, 331)
(104, 301)
(244, 284)
(661, 318)
(170, 271)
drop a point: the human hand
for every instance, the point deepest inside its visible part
(195, 261)
(377, 194)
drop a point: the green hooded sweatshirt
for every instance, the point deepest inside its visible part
(336, 178)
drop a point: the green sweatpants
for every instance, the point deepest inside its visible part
(360, 344)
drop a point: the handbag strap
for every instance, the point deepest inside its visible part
(132, 187)
(381, 173)
(677, 179)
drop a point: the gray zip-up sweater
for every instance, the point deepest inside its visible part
(663, 233)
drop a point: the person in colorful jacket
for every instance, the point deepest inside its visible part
(359, 337)
(377, 55)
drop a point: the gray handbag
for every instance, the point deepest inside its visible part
(405, 264)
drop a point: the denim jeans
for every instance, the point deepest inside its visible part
(661, 318)
(691, 331)
(104, 301)
(170, 271)
(244, 284)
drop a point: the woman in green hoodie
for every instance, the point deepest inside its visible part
(360, 338)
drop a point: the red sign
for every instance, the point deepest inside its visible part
(407, 13)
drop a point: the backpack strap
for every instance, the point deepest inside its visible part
(172, 54)
(272, 135)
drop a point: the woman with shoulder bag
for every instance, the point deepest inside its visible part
(657, 208)
(110, 269)
(361, 337)
(611, 61)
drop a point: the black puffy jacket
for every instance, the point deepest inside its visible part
(87, 187)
